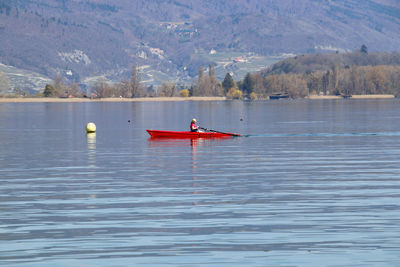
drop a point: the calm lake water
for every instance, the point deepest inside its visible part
(314, 183)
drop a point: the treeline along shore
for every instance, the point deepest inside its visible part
(30, 99)
(107, 99)
(348, 74)
(357, 74)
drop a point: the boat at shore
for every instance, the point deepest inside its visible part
(278, 96)
(188, 134)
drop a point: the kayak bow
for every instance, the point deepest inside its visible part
(187, 134)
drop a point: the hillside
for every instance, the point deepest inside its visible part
(84, 39)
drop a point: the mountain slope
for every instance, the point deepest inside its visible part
(83, 38)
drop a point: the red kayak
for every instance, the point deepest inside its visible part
(187, 134)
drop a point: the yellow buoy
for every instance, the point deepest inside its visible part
(90, 127)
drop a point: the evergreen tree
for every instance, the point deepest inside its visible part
(228, 82)
(49, 91)
(248, 84)
(136, 86)
(364, 49)
(193, 89)
(215, 88)
(201, 85)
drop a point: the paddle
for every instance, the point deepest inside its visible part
(214, 131)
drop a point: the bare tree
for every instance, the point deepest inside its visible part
(168, 89)
(124, 89)
(101, 88)
(4, 82)
(59, 86)
(73, 90)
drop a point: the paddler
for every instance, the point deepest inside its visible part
(193, 126)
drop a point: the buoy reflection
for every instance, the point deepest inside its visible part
(91, 144)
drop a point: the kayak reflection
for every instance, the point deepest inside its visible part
(165, 142)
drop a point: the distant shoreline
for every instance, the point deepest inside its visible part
(108, 99)
(322, 97)
(161, 99)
